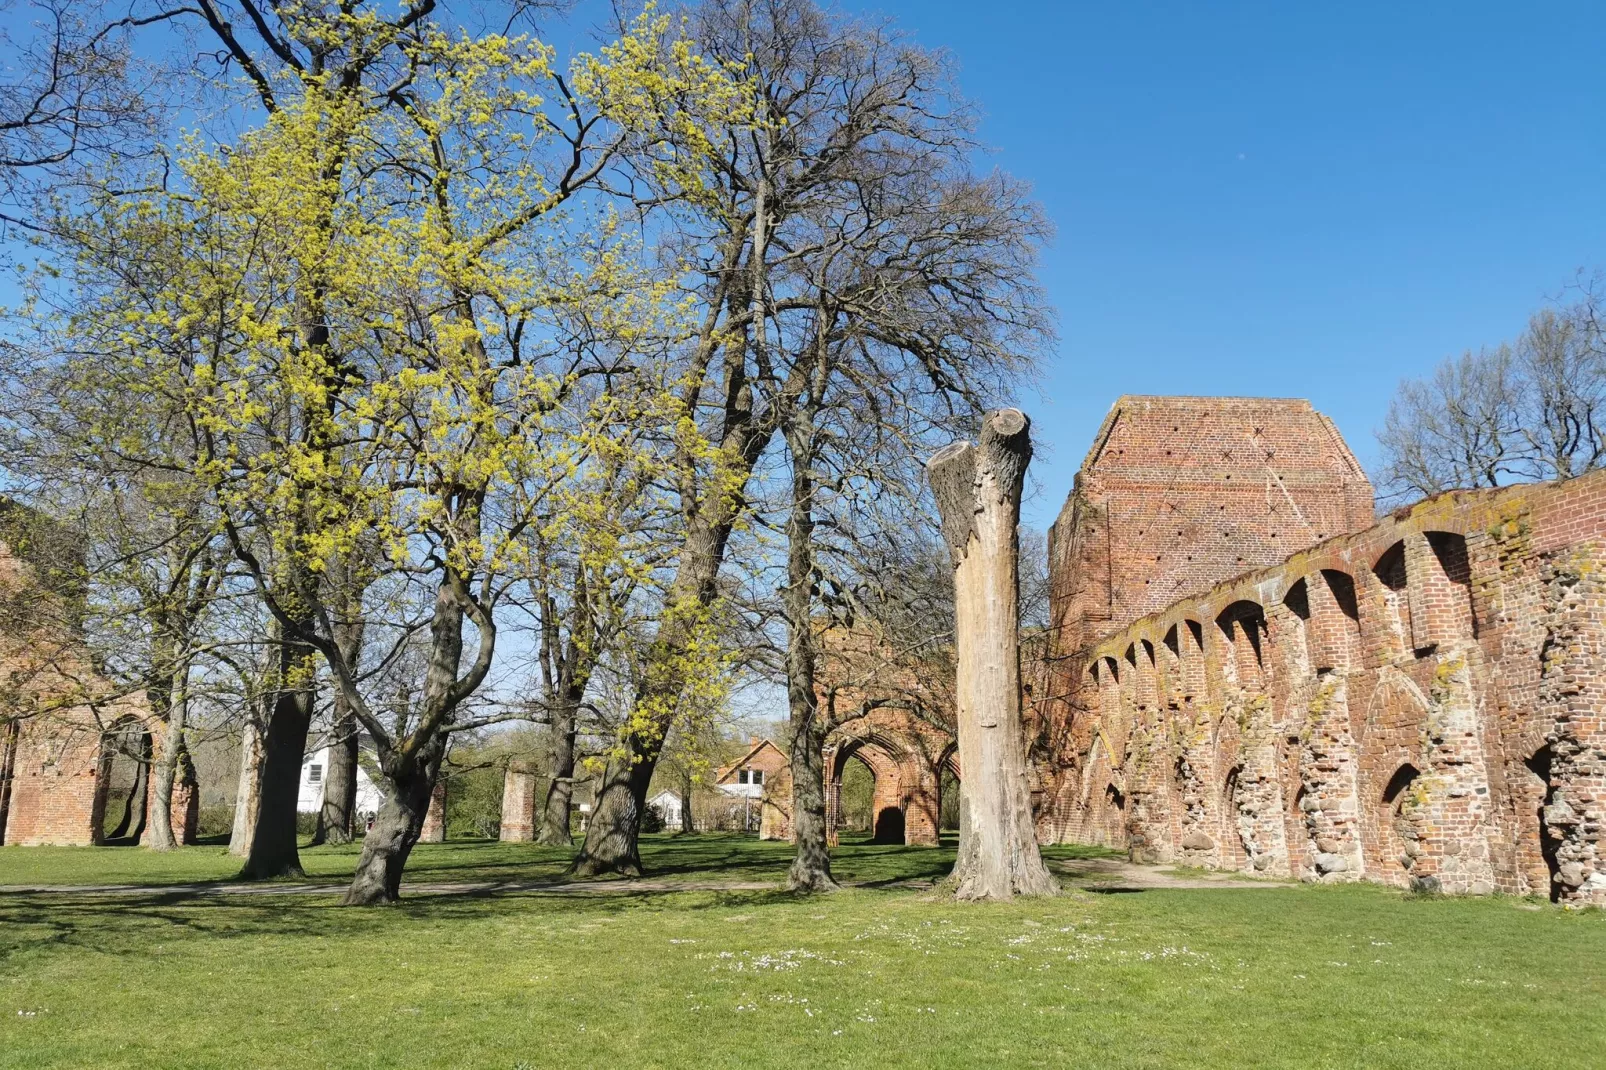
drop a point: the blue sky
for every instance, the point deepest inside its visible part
(1284, 199)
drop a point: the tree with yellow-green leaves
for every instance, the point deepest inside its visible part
(413, 327)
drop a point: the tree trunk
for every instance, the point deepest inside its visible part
(978, 494)
(395, 831)
(135, 810)
(273, 850)
(811, 864)
(9, 734)
(554, 831)
(687, 826)
(165, 768)
(133, 803)
(612, 843)
(248, 792)
(337, 815)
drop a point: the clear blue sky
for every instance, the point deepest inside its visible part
(1284, 199)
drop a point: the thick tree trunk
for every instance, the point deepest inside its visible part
(978, 494)
(811, 864)
(554, 830)
(612, 843)
(395, 831)
(133, 819)
(273, 850)
(248, 792)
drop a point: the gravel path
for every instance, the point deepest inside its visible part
(1096, 875)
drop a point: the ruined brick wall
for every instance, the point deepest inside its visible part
(1175, 495)
(518, 803)
(1179, 493)
(1420, 702)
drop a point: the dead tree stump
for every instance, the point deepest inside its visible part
(978, 495)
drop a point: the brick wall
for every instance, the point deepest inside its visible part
(1418, 702)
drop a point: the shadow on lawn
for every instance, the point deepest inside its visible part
(128, 925)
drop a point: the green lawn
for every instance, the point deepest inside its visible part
(667, 857)
(1279, 976)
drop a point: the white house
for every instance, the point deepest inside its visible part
(309, 799)
(667, 803)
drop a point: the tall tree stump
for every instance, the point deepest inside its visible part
(978, 495)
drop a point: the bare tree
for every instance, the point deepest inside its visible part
(1527, 410)
(850, 258)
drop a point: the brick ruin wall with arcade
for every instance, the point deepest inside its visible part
(1247, 671)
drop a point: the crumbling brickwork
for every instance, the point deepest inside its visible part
(518, 803)
(1417, 701)
(58, 717)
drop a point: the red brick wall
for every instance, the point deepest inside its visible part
(1179, 493)
(1420, 702)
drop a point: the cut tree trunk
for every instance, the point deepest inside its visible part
(978, 495)
(395, 831)
(248, 791)
(273, 850)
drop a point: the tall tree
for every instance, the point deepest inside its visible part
(856, 127)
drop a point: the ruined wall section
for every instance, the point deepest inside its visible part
(1177, 494)
(1419, 703)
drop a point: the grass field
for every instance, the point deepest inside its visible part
(1275, 976)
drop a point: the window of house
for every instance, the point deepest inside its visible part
(315, 774)
(750, 776)
(758, 776)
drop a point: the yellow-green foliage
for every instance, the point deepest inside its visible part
(376, 306)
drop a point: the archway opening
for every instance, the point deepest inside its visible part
(122, 784)
(1396, 824)
(889, 826)
(948, 808)
(1543, 790)
(1232, 834)
(857, 794)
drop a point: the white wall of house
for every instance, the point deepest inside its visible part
(315, 769)
(667, 804)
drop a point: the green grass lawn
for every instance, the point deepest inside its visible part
(666, 857)
(1280, 976)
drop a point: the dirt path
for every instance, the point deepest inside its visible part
(1096, 875)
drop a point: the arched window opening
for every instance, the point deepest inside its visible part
(1232, 832)
(1298, 601)
(1243, 626)
(1396, 823)
(1343, 587)
(948, 807)
(1450, 552)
